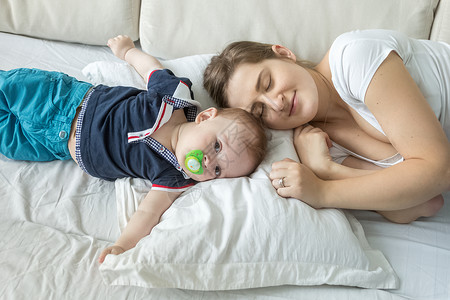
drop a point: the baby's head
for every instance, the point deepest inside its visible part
(223, 143)
(220, 70)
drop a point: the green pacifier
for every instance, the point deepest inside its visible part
(193, 161)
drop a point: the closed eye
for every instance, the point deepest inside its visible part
(269, 84)
(258, 110)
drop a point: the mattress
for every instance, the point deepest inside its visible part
(55, 220)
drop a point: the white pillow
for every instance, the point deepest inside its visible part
(238, 233)
(120, 73)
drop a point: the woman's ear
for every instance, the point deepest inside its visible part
(209, 113)
(283, 52)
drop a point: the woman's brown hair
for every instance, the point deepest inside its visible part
(219, 71)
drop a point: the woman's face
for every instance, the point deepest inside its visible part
(277, 90)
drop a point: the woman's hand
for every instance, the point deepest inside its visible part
(116, 250)
(293, 179)
(312, 146)
(120, 45)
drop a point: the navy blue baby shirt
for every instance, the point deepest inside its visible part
(115, 137)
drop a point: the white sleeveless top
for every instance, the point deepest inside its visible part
(355, 57)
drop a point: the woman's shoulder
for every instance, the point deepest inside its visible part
(370, 34)
(355, 56)
(350, 43)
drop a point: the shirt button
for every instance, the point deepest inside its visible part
(161, 149)
(62, 134)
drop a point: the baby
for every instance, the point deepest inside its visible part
(116, 132)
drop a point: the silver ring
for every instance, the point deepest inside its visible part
(281, 182)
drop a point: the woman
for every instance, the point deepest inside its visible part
(378, 94)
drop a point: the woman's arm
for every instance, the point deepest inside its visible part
(411, 127)
(312, 145)
(142, 222)
(123, 47)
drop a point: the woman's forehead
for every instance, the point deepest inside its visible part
(242, 86)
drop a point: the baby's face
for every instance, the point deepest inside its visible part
(223, 146)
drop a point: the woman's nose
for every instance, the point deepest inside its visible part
(276, 103)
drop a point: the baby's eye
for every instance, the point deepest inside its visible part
(217, 147)
(217, 171)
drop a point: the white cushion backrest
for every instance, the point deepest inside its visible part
(176, 28)
(82, 21)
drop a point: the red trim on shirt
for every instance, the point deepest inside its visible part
(152, 74)
(162, 116)
(172, 188)
(157, 126)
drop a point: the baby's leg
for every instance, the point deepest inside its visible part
(21, 109)
(405, 216)
(36, 113)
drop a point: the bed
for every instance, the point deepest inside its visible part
(55, 219)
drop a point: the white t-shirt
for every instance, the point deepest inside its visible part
(355, 57)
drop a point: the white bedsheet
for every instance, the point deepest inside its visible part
(55, 220)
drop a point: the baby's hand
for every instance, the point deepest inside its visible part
(120, 45)
(116, 250)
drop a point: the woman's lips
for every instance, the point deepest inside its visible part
(294, 104)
